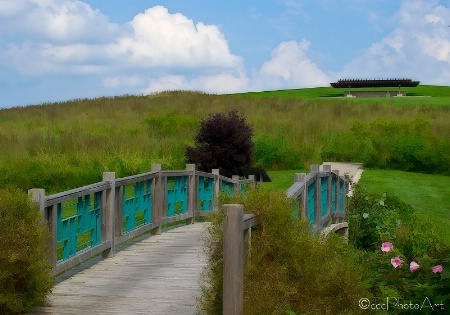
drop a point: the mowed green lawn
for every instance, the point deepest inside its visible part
(429, 195)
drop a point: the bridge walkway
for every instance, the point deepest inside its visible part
(154, 275)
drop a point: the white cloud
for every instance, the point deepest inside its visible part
(56, 36)
(419, 47)
(161, 39)
(291, 67)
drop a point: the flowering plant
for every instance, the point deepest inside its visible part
(411, 280)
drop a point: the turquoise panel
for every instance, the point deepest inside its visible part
(341, 197)
(227, 189)
(205, 193)
(324, 195)
(311, 197)
(177, 193)
(137, 205)
(333, 195)
(78, 225)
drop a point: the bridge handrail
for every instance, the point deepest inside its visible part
(115, 210)
(237, 226)
(309, 191)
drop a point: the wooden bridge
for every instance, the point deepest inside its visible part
(158, 272)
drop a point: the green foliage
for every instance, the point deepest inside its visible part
(24, 269)
(374, 219)
(403, 145)
(429, 195)
(66, 145)
(425, 289)
(170, 124)
(275, 152)
(290, 268)
(223, 142)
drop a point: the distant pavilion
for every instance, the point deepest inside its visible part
(374, 83)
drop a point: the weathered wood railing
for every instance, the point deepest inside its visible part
(320, 196)
(93, 219)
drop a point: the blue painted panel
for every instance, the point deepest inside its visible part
(333, 195)
(227, 189)
(78, 225)
(324, 195)
(341, 197)
(311, 203)
(137, 205)
(177, 193)
(205, 194)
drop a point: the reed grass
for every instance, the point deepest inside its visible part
(65, 145)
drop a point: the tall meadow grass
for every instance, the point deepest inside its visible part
(65, 145)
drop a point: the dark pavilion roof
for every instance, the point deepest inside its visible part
(364, 83)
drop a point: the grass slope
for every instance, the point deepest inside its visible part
(424, 95)
(428, 194)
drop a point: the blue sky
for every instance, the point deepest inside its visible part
(58, 50)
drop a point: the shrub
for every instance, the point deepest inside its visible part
(375, 218)
(223, 142)
(24, 269)
(290, 268)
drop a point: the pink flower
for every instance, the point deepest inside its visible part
(413, 266)
(386, 247)
(437, 268)
(396, 262)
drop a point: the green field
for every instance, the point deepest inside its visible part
(420, 95)
(429, 195)
(66, 145)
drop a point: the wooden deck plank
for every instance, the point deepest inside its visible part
(157, 275)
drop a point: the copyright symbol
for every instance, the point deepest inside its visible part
(364, 303)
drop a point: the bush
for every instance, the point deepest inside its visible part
(404, 272)
(24, 268)
(290, 268)
(223, 142)
(375, 218)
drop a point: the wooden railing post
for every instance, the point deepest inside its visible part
(252, 178)
(233, 260)
(217, 186)
(327, 169)
(107, 214)
(317, 200)
(37, 196)
(236, 186)
(192, 194)
(336, 195)
(344, 194)
(158, 199)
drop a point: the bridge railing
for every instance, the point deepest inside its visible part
(320, 196)
(93, 219)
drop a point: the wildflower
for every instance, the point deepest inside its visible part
(365, 215)
(386, 247)
(437, 268)
(396, 262)
(413, 266)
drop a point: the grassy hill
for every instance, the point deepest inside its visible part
(421, 95)
(65, 145)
